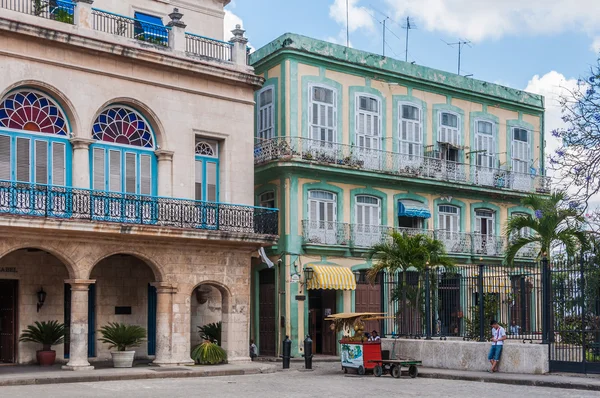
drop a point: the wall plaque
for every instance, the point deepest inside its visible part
(9, 270)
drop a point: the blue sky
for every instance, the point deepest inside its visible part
(541, 46)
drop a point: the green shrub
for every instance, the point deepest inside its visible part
(208, 353)
(122, 336)
(45, 333)
(211, 332)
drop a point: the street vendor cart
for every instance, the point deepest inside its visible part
(361, 355)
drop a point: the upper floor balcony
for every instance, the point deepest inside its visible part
(392, 163)
(362, 237)
(144, 30)
(64, 203)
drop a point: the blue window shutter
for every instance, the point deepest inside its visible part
(5, 157)
(98, 170)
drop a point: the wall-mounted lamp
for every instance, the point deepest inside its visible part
(308, 275)
(356, 276)
(41, 296)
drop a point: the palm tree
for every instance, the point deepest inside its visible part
(551, 226)
(402, 253)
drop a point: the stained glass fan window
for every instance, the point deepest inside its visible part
(32, 111)
(121, 125)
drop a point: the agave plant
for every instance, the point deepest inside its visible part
(208, 353)
(211, 332)
(122, 336)
(45, 333)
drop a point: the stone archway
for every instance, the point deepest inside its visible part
(210, 303)
(23, 273)
(123, 292)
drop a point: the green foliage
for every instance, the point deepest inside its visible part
(491, 308)
(160, 41)
(62, 15)
(211, 332)
(39, 6)
(552, 224)
(208, 353)
(46, 333)
(122, 336)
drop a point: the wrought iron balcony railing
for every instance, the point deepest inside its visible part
(364, 236)
(49, 201)
(131, 28)
(207, 47)
(58, 10)
(288, 148)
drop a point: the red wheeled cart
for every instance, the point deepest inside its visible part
(360, 355)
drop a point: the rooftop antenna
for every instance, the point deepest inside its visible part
(347, 25)
(408, 26)
(460, 43)
(386, 18)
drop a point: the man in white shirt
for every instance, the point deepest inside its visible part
(498, 337)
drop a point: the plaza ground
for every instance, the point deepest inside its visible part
(325, 380)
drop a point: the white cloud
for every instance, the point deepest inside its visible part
(492, 19)
(358, 17)
(229, 23)
(595, 47)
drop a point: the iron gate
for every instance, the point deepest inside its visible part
(574, 316)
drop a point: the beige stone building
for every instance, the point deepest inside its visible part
(126, 175)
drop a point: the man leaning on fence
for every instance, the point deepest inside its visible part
(498, 337)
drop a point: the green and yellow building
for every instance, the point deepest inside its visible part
(351, 145)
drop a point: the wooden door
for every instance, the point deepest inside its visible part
(312, 327)
(328, 306)
(368, 299)
(266, 313)
(8, 320)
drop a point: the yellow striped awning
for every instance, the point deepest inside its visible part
(331, 277)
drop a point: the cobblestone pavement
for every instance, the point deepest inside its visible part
(325, 381)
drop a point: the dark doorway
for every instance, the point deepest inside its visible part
(266, 313)
(8, 320)
(450, 311)
(322, 303)
(368, 299)
(520, 319)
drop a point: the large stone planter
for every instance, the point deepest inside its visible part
(122, 359)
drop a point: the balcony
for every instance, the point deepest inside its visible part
(348, 156)
(357, 236)
(155, 35)
(56, 202)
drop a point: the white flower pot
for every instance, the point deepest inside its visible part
(122, 359)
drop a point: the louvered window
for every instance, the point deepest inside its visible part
(265, 113)
(59, 163)
(449, 128)
(409, 128)
(207, 170)
(521, 157)
(368, 122)
(5, 157)
(23, 160)
(448, 218)
(485, 144)
(323, 114)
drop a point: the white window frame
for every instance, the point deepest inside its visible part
(449, 214)
(516, 162)
(410, 144)
(265, 115)
(488, 160)
(448, 134)
(334, 106)
(262, 201)
(377, 207)
(376, 126)
(479, 218)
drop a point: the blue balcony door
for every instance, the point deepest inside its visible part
(207, 170)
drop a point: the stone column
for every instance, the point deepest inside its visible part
(165, 171)
(239, 54)
(78, 354)
(168, 351)
(177, 31)
(81, 162)
(83, 16)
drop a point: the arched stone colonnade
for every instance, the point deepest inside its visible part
(123, 273)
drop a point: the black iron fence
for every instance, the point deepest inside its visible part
(574, 319)
(445, 303)
(58, 10)
(74, 203)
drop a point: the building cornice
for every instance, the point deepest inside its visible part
(107, 44)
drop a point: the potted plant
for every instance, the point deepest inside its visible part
(47, 334)
(211, 332)
(122, 337)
